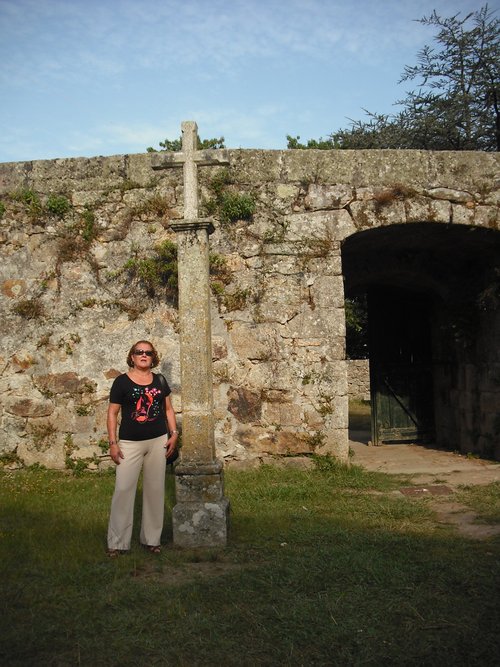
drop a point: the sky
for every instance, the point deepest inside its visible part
(81, 78)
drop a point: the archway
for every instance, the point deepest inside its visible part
(432, 294)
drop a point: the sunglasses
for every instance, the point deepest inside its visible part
(139, 353)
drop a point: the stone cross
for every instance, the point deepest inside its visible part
(200, 516)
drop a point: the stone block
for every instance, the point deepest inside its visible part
(486, 216)
(201, 524)
(29, 407)
(424, 209)
(198, 436)
(198, 488)
(462, 215)
(327, 292)
(251, 341)
(318, 226)
(456, 196)
(321, 196)
(244, 404)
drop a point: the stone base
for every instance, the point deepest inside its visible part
(198, 524)
(201, 516)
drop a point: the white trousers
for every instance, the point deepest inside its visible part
(148, 455)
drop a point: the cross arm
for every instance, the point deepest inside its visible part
(206, 158)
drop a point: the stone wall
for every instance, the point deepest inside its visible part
(358, 379)
(75, 295)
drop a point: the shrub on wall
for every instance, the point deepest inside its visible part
(157, 272)
(227, 204)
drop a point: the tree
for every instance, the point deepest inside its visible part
(457, 104)
(176, 144)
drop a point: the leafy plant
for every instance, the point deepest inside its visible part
(10, 458)
(57, 205)
(235, 206)
(228, 204)
(29, 309)
(87, 227)
(156, 206)
(31, 201)
(176, 144)
(157, 272)
(218, 269)
(236, 300)
(2, 209)
(83, 410)
(75, 241)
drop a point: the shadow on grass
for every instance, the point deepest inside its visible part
(326, 577)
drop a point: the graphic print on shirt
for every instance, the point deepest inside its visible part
(147, 408)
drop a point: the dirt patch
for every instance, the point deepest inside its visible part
(187, 573)
(436, 490)
(451, 513)
(460, 516)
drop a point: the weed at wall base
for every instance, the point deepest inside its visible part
(29, 309)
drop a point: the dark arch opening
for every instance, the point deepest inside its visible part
(432, 294)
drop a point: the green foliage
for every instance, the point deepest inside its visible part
(236, 300)
(10, 459)
(31, 201)
(83, 410)
(220, 275)
(87, 227)
(2, 209)
(157, 272)
(356, 319)
(155, 206)
(319, 144)
(226, 203)
(235, 206)
(29, 309)
(57, 206)
(176, 144)
(457, 103)
(75, 241)
(219, 183)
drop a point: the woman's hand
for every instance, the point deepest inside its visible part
(116, 453)
(171, 443)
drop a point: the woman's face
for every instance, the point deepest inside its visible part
(143, 356)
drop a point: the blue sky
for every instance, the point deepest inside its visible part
(104, 77)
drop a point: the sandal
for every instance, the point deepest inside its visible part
(114, 553)
(152, 549)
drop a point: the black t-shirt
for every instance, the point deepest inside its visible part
(143, 408)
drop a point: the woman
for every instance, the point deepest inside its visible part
(147, 435)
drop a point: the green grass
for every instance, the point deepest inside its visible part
(323, 567)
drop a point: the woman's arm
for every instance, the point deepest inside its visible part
(112, 420)
(172, 426)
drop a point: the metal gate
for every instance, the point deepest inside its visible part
(400, 366)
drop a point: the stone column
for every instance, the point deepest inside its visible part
(201, 514)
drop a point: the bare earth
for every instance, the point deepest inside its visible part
(435, 474)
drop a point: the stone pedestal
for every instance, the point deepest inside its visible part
(201, 515)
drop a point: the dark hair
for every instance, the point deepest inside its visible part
(155, 358)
